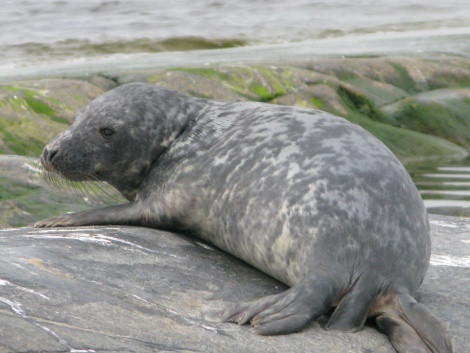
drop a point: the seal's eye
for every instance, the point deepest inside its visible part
(106, 131)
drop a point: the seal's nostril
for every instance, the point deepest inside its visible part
(44, 154)
(51, 155)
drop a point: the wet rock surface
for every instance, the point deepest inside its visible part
(132, 289)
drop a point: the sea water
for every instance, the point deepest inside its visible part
(69, 33)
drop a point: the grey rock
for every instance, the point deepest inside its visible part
(131, 289)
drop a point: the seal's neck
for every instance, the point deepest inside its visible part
(198, 128)
(175, 117)
(183, 116)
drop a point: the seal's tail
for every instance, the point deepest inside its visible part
(410, 325)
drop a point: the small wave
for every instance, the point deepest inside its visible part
(401, 27)
(75, 47)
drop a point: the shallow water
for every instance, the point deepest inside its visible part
(52, 21)
(445, 188)
(66, 32)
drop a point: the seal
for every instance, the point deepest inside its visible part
(305, 196)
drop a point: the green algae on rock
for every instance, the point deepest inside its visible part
(441, 112)
(32, 113)
(373, 92)
(388, 96)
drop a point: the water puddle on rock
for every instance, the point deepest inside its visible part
(445, 188)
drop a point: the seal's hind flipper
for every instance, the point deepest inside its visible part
(283, 313)
(410, 325)
(353, 309)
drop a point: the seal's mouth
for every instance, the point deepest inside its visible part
(50, 173)
(53, 168)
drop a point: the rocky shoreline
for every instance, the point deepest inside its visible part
(404, 101)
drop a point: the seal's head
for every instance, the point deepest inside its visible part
(117, 137)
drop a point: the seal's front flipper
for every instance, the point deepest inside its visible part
(282, 313)
(410, 325)
(126, 214)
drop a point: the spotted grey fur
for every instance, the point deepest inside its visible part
(305, 196)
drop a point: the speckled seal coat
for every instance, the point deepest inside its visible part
(305, 196)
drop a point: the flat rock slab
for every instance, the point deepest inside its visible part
(130, 289)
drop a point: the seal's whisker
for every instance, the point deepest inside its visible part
(51, 179)
(108, 191)
(78, 187)
(91, 190)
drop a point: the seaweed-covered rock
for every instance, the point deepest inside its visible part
(33, 112)
(441, 112)
(376, 93)
(133, 289)
(380, 94)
